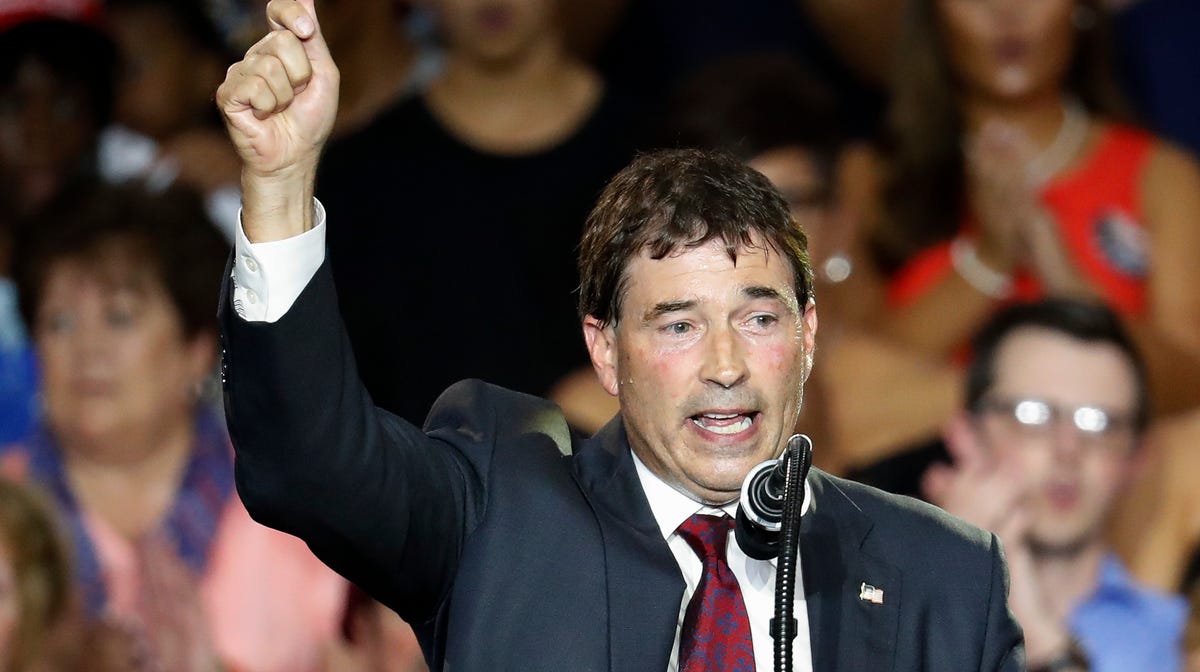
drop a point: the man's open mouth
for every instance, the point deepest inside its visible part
(725, 423)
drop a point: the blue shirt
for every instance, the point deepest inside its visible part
(1125, 627)
(18, 370)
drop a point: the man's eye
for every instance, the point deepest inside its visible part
(763, 321)
(678, 328)
(59, 323)
(119, 318)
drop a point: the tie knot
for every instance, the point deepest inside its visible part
(707, 534)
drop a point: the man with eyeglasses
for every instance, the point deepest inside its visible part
(1056, 406)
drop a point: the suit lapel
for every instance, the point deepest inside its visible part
(645, 587)
(849, 630)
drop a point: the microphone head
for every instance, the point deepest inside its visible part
(754, 540)
(760, 508)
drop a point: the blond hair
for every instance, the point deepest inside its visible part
(41, 570)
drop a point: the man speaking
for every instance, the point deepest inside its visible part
(505, 546)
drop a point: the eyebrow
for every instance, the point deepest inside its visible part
(764, 292)
(668, 307)
(753, 292)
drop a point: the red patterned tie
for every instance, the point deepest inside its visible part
(715, 636)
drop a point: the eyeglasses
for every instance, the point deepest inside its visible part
(1036, 417)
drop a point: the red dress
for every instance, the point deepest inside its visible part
(1100, 219)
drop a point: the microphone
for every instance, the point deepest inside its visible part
(760, 509)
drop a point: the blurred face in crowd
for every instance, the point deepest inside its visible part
(46, 131)
(497, 31)
(1063, 410)
(795, 173)
(1007, 49)
(709, 359)
(166, 85)
(117, 369)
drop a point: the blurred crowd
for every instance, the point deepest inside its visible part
(1002, 202)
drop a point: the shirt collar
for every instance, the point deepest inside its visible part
(1114, 580)
(671, 507)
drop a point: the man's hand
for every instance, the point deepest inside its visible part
(1000, 192)
(279, 104)
(978, 488)
(990, 492)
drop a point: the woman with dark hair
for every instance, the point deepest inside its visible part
(118, 287)
(1011, 175)
(56, 90)
(483, 181)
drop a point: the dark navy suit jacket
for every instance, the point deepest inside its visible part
(508, 548)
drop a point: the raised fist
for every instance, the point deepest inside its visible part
(279, 102)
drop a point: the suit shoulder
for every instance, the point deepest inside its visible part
(909, 527)
(481, 411)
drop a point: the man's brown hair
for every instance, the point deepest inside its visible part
(682, 198)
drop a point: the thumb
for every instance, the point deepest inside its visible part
(315, 45)
(962, 442)
(936, 483)
(300, 17)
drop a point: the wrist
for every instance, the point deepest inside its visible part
(993, 254)
(277, 205)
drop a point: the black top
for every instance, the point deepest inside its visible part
(453, 263)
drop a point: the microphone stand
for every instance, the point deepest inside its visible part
(768, 526)
(796, 461)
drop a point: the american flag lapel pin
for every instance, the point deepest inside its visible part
(869, 593)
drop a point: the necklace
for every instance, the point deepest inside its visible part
(1070, 137)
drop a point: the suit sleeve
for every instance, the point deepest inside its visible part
(374, 497)
(1003, 646)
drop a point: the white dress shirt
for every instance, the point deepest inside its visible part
(267, 279)
(756, 578)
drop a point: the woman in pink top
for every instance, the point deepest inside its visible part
(118, 287)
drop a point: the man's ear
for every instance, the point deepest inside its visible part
(809, 325)
(602, 347)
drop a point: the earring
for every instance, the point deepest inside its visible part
(837, 268)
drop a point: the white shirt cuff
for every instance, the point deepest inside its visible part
(268, 277)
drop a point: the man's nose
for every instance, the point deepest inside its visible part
(1068, 441)
(724, 359)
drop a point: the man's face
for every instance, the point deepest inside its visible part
(709, 359)
(1073, 476)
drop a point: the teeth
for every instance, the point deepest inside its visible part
(734, 428)
(720, 416)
